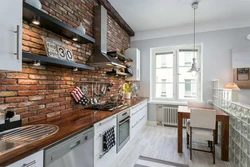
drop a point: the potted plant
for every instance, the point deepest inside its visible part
(126, 91)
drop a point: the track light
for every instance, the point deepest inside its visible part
(36, 20)
(75, 38)
(37, 63)
(75, 69)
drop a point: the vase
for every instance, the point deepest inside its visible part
(81, 28)
(36, 3)
(127, 95)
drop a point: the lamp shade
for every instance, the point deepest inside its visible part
(232, 86)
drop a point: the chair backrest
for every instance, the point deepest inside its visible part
(202, 118)
(196, 104)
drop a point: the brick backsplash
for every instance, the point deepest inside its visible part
(44, 91)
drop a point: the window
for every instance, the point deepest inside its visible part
(170, 79)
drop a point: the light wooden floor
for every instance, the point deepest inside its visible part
(161, 143)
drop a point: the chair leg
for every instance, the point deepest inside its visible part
(190, 143)
(187, 140)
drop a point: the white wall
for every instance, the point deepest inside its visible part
(217, 48)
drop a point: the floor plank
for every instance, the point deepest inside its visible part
(161, 143)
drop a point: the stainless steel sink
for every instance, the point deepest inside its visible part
(18, 137)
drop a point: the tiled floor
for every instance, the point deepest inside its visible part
(161, 143)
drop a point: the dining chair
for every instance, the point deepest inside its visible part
(202, 126)
(195, 104)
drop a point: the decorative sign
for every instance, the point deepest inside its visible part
(243, 74)
(57, 49)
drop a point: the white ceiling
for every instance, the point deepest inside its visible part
(144, 15)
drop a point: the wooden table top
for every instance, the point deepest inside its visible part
(186, 109)
(68, 124)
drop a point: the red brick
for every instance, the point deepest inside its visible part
(59, 108)
(45, 82)
(38, 51)
(32, 76)
(52, 114)
(39, 41)
(17, 75)
(27, 93)
(27, 82)
(30, 70)
(37, 107)
(1, 100)
(37, 87)
(66, 78)
(64, 102)
(5, 106)
(2, 87)
(46, 110)
(59, 82)
(44, 101)
(26, 37)
(45, 72)
(52, 96)
(66, 111)
(52, 105)
(30, 33)
(7, 81)
(45, 92)
(17, 87)
(15, 99)
(59, 90)
(8, 93)
(20, 110)
(27, 103)
(25, 121)
(40, 97)
(2, 75)
(59, 99)
(37, 118)
(27, 114)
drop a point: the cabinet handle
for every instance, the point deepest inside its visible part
(102, 123)
(29, 164)
(136, 112)
(135, 124)
(17, 40)
(124, 121)
(75, 145)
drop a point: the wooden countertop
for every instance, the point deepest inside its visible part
(68, 124)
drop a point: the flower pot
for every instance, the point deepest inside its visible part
(36, 3)
(127, 95)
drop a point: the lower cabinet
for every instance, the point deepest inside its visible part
(102, 159)
(138, 118)
(34, 160)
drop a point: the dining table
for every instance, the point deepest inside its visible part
(221, 116)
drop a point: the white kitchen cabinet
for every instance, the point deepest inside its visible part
(34, 160)
(138, 118)
(134, 54)
(11, 35)
(100, 127)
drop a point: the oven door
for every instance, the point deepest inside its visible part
(123, 133)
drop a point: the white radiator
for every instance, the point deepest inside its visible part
(168, 115)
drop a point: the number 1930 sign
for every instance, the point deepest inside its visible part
(57, 49)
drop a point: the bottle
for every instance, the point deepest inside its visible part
(81, 28)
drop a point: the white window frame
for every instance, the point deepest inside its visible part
(175, 50)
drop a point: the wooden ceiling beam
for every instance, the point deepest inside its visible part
(116, 16)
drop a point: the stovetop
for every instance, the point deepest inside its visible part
(106, 106)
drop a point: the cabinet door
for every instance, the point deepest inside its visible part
(11, 35)
(34, 160)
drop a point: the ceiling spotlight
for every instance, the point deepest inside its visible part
(248, 37)
(37, 63)
(75, 69)
(75, 38)
(36, 20)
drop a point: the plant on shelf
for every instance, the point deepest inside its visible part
(126, 91)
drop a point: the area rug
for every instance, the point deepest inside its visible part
(152, 162)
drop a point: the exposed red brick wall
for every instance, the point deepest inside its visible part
(44, 91)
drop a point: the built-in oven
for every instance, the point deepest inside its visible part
(123, 129)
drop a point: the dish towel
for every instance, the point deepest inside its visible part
(108, 139)
(79, 97)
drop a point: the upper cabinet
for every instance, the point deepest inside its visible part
(11, 35)
(134, 54)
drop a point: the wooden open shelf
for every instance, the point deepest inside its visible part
(44, 60)
(50, 23)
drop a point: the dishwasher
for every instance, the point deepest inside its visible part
(74, 151)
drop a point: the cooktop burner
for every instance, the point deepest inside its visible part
(106, 106)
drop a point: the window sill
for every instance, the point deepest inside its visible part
(177, 103)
